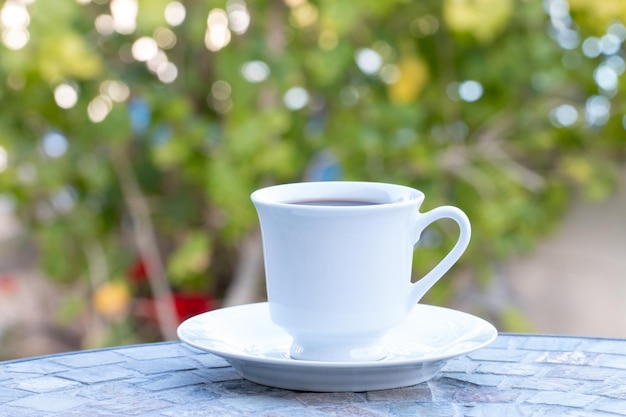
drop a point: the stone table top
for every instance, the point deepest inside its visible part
(517, 375)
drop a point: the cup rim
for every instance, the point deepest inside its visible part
(387, 194)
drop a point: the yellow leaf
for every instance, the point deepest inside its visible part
(111, 299)
(411, 81)
(577, 168)
(68, 56)
(596, 15)
(483, 19)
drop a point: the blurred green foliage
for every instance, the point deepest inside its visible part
(494, 106)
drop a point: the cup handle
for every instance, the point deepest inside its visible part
(419, 288)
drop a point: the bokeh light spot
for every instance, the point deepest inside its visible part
(175, 13)
(221, 90)
(597, 110)
(238, 16)
(144, 49)
(296, 98)
(606, 78)
(54, 144)
(99, 108)
(368, 60)
(564, 115)
(568, 38)
(470, 91)
(217, 34)
(390, 73)
(66, 95)
(167, 72)
(618, 29)
(592, 47)
(124, 14)
(610, 44)
(105, 25)
(452, 91)
(165, 38)
(116, 90)
(4, 159)
(156, 61)
(255, 71)
(15, 38)
(14, 15)
(617, 63)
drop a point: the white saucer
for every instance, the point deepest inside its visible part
(259, 350)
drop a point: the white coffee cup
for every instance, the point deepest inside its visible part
(339, 276)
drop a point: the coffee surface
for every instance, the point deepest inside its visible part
(334, 203)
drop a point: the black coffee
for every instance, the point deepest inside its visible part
(334, 203)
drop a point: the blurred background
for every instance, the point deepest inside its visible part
(132, 133)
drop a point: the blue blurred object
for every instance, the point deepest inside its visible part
(161, 135)
(214, 133)
(324, 166)
(140, 115)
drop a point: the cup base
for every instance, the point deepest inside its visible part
(336, 352)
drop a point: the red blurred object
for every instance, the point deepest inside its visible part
(8, 284)
(189, 305)
(186, 304)
(138, 272)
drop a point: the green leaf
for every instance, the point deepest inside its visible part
(70, 309)
(190, 258)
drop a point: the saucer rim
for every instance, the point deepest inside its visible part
(488, 330)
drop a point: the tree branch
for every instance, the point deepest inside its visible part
(145, 239)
